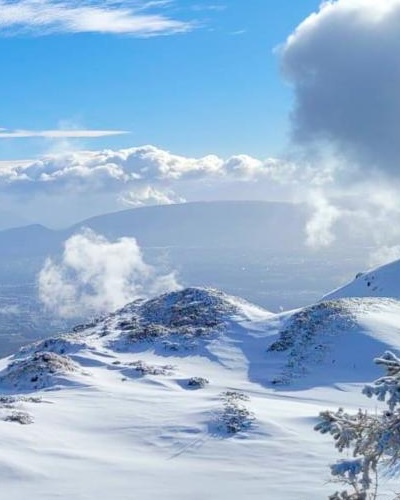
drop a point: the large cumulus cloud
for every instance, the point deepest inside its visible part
(344, 65)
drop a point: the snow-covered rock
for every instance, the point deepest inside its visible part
(38, 371)
(176, 321)
(62, 344)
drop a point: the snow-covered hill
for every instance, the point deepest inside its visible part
(194, 394)
(383, 281)
(206, 244)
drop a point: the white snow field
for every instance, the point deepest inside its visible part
(192, 395)
(383, 281)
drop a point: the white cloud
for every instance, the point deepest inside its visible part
(91, 182)
(344, 67)
(148, 195)
(42, 17)
(319, 228)
(80, 184)
(58, 134)
(134, 168)
(96, 276)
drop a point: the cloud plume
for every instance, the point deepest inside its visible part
(319, 228)
(95, 276)
(343, 64)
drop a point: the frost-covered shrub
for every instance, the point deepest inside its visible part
(235, 416)
(197, 382)
(146, 369)
(12, 400)
(373, 438)
(12, 408)
(37, 371)
(20, 417)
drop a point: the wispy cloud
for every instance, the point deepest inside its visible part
(238, 32)
(212, 7)
(44, 17)
(58, 134)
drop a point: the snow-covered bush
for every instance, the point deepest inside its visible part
(373, 438)
(197, 382)
(20, 417)
(146, 369)
(12, 408)
(236, 416)
(12, 400)
(38, 371)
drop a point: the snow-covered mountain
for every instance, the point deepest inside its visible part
(383, 281)
(192, 394)
(252, 249)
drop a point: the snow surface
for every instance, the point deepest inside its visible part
(383, 281)
(116, 417)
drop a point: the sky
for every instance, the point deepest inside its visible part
(115, 104)
(207, 80)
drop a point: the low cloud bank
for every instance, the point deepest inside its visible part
(127, 169)
(95, 182)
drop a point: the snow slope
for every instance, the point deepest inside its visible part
(192, 395)
(383, 281)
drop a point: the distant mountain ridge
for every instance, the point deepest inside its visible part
(200, 224)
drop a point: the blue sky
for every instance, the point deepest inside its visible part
(215, 88)
(201, 85)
